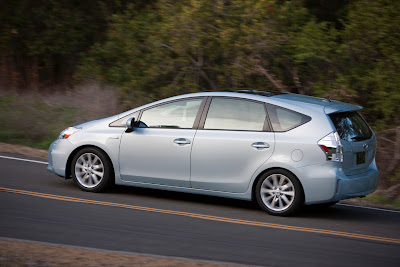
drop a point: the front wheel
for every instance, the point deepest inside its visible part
(279, 192)
(92, 170)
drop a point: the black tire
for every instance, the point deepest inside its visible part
(86, 167)
(282, 192)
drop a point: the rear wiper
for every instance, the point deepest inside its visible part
(358, 137)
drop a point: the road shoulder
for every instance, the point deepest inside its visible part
(14, 252)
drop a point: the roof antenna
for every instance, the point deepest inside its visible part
(330, 97)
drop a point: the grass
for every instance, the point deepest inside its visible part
(30, 122)
(35, 120)
(376, 198)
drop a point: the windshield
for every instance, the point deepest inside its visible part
(351, 126)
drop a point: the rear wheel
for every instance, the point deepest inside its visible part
(92, 170)
(279, 192)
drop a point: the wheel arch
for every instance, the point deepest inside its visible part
(254, 185)
(76, 150)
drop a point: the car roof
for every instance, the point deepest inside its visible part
(288, 100)
(300, 103)
(330, 106)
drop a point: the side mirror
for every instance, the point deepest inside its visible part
(130, 125)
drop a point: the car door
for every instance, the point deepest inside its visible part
(158, 151)
(232, 142)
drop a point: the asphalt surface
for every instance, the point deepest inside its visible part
(37, 205)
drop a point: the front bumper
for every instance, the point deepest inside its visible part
(59, 152)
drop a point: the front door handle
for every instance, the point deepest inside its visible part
(182, 141)
(260, 145)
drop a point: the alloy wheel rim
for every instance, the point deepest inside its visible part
(277, 192)
(89, 170)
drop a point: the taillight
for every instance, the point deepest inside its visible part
(332, 147)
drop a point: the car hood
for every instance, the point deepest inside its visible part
(95, 122)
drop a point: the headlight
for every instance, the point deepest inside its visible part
(68, 132)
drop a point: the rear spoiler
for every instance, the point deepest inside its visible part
(337, 107)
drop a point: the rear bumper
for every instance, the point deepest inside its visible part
(328, 183)
(356, 185)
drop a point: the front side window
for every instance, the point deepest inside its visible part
(283, 119)
(178, 114)
(235, 114)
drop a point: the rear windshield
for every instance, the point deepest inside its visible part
(351, 126)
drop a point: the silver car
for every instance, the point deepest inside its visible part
(282, 150)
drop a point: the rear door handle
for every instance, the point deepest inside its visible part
(182, 141)
(260, 145)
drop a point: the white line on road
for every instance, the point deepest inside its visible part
(28, 160)
(370, 208)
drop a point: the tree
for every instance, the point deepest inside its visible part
(175, 47)
(42, 41)
(371, 52)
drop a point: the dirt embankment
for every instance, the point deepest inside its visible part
(16, 253)
(24, 150)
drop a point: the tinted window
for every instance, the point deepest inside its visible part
(122, 122)
(235, 114)
(178, 114)
(283, 119)
(351, 126)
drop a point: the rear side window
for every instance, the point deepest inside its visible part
(283, 119)
(351, 126)
(235, 114)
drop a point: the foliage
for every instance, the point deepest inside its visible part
(36, 119)
(173, 48)
(43, 40)
(371, 52)
(381, 199)
(361, 60)
(158, 48)
(31, 122)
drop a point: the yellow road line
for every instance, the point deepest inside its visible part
(203, 216)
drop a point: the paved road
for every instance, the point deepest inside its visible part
(37, 205)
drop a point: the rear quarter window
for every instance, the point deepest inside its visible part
(351, 126)
(283, 119)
